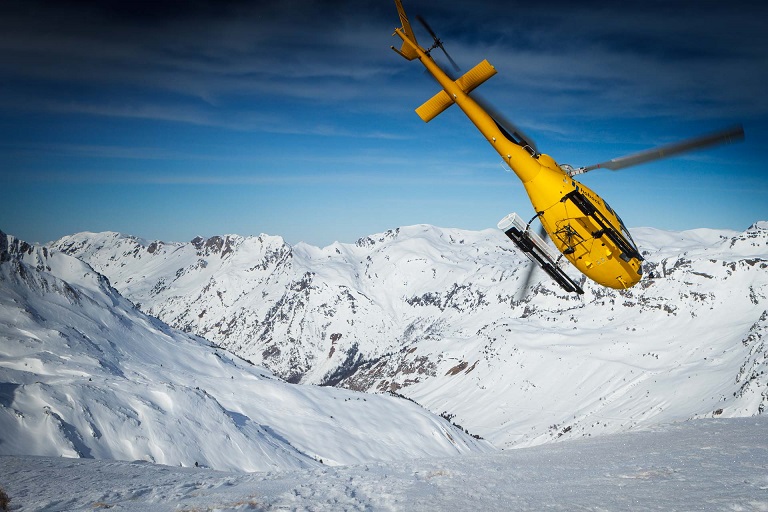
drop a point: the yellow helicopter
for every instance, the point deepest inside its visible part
(584, 229)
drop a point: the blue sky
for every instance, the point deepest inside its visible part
(172, 119)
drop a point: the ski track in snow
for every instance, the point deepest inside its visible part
(708, 464)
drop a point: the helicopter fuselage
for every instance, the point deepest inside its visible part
(581, 225)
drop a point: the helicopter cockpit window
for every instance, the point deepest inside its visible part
(624, 230)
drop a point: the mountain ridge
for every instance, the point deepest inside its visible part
(85, 374)
(434, 314)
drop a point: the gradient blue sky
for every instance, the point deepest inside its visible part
(172, 119)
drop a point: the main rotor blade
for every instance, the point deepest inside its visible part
(506, 124)
(728, 136)
(523, 290)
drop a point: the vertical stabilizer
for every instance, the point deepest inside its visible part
(407, 50)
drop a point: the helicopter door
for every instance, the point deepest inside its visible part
(605, 228)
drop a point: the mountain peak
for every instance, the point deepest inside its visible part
(89, 375)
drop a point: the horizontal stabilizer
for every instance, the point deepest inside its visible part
(434, 106)
(468, 82)
(476, 76)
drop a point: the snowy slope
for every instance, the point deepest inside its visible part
(434, 314)
(84, 373)
(719, 464)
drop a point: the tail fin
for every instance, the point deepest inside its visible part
(407, 50)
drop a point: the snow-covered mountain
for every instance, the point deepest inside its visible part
(434, 314)
(84, 373)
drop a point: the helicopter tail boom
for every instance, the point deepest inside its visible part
(467, 82)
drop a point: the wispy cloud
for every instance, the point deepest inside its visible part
(292, 93)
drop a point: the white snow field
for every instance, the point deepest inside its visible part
(434, 314)
(703, 465)
(83, 373)
(642, 399)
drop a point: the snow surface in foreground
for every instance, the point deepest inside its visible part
(719, 464)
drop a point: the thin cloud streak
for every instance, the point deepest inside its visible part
(256, 179)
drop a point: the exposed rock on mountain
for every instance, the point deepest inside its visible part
(84, 373)
(434, 314)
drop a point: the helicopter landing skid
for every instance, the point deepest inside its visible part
(537, 251)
